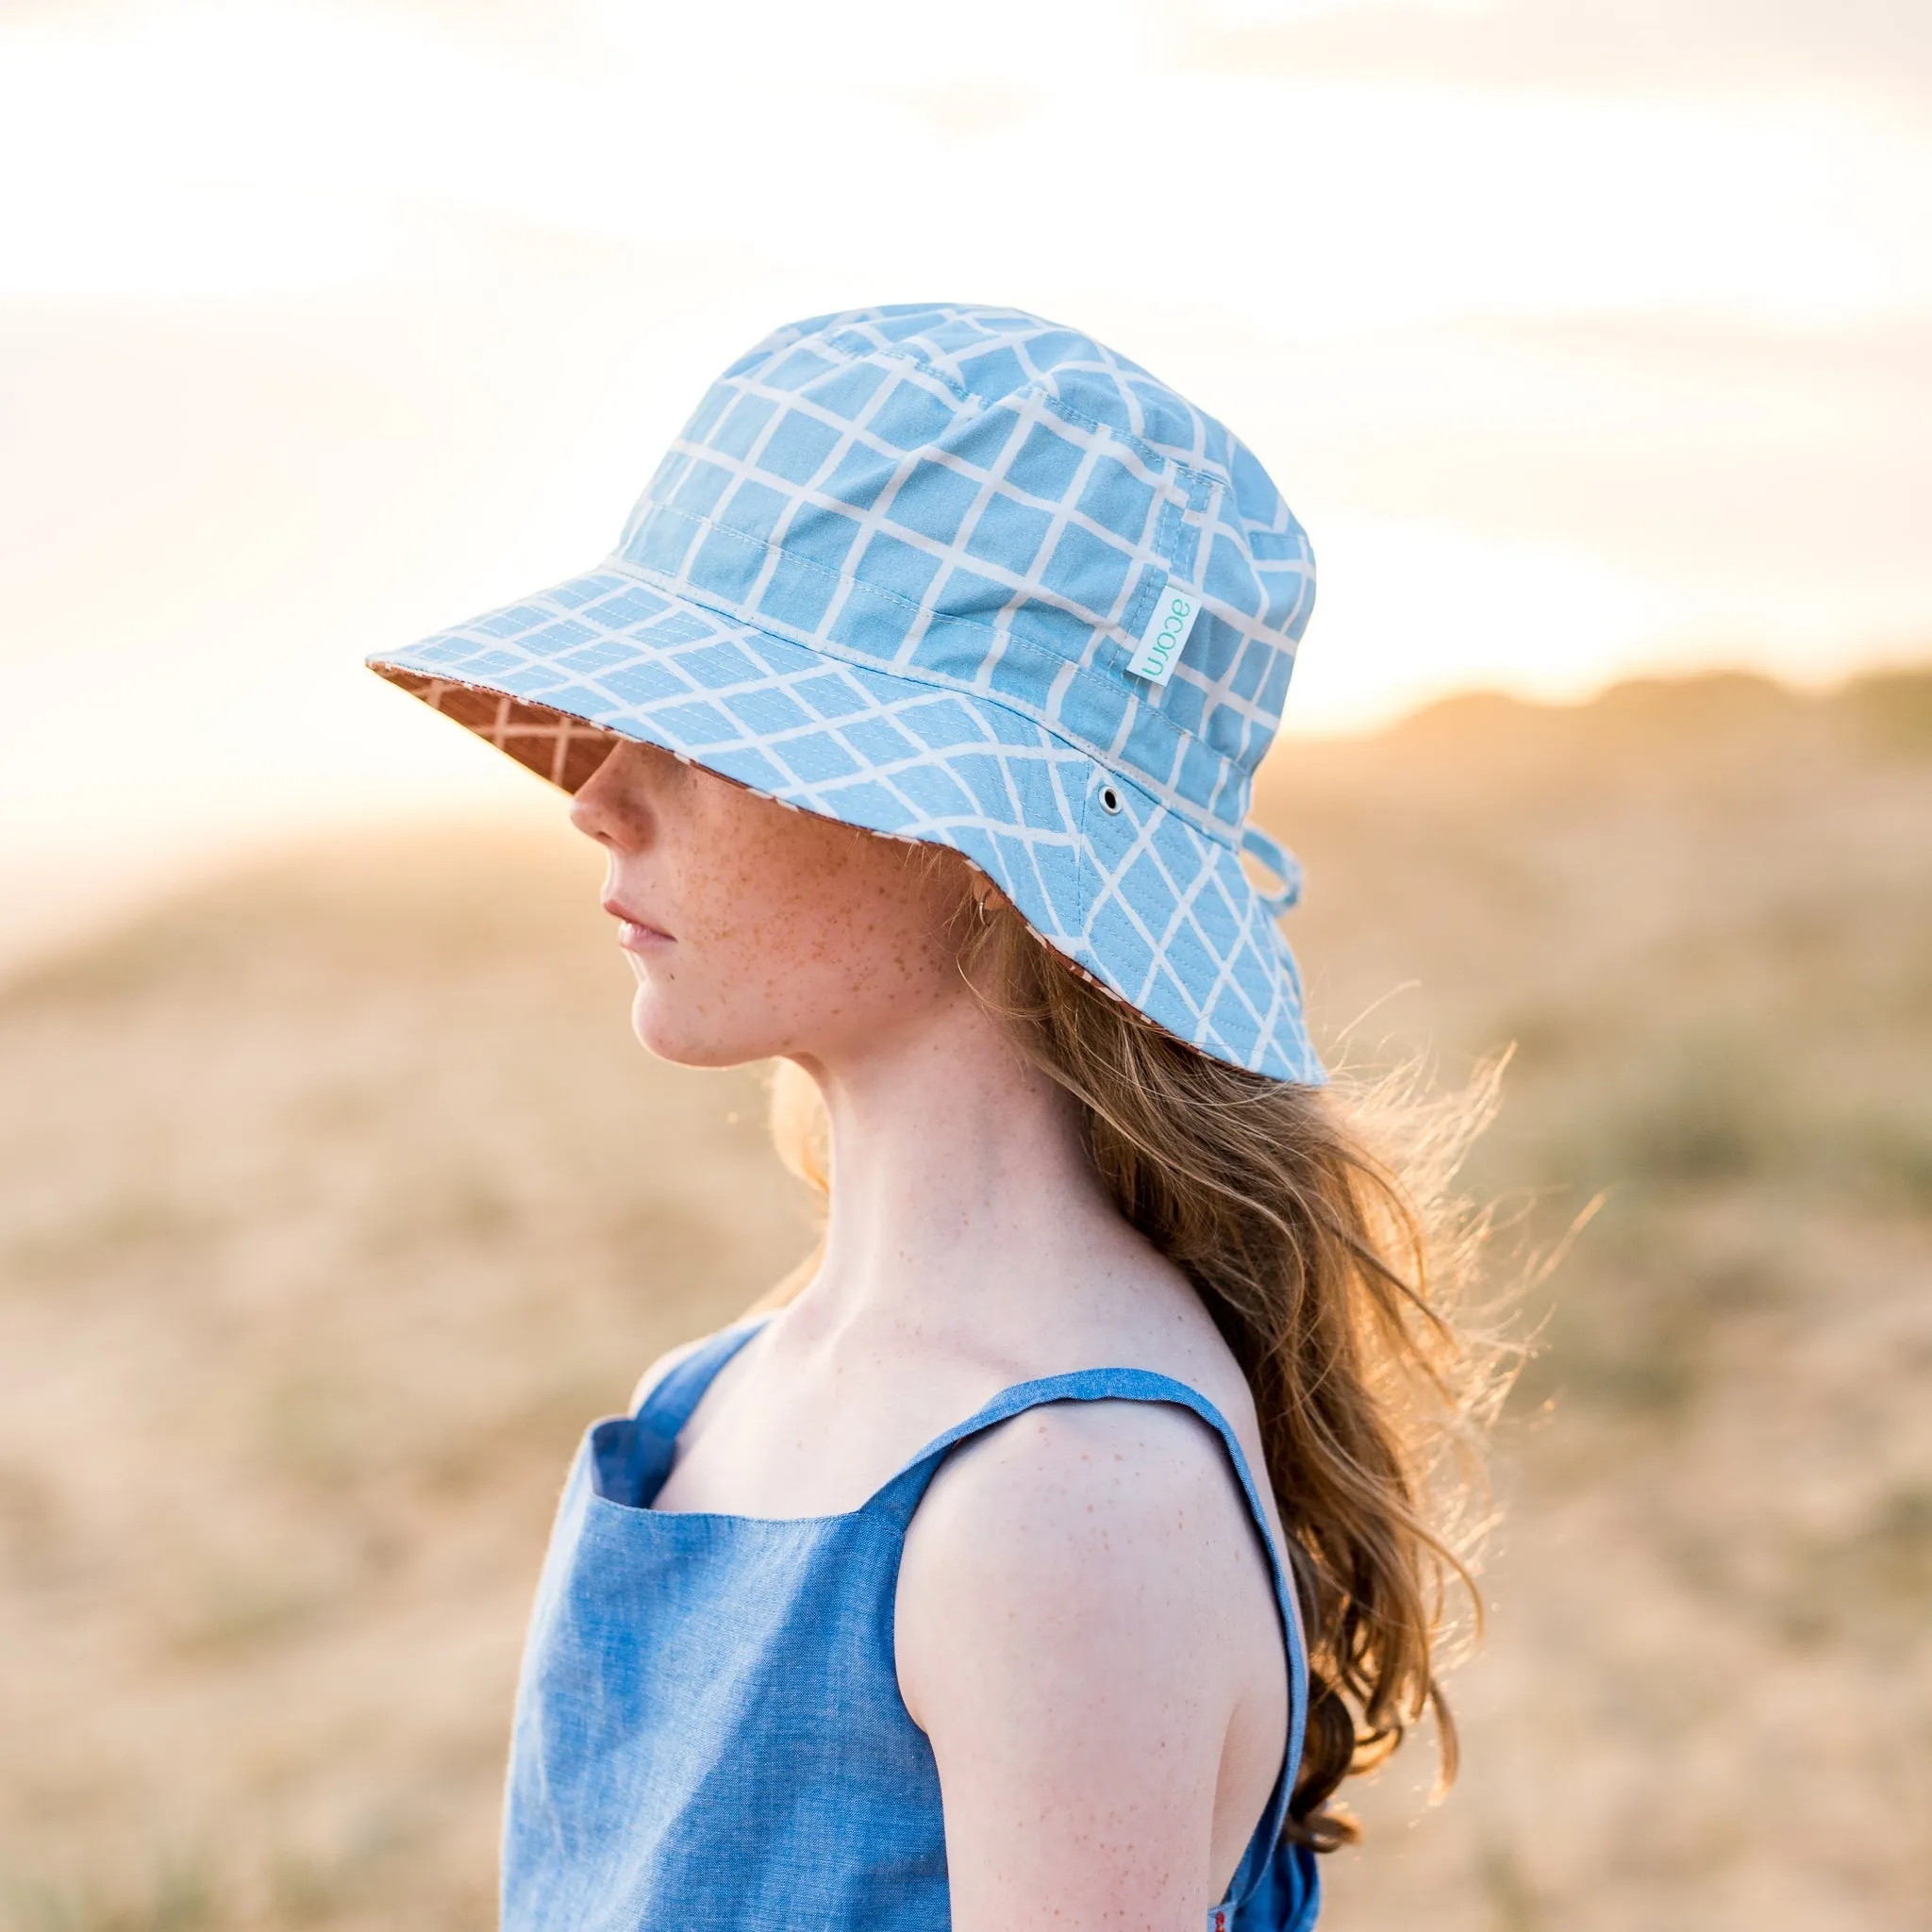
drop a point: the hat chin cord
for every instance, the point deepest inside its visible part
(1281, 862)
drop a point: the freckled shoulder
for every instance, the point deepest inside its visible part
(1086, 1631)
(1152, 1473)
(1122, 1516)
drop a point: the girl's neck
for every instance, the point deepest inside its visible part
(959, 1180)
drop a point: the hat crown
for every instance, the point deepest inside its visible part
(980, 500)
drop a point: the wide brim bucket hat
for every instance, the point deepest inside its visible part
(955, 574)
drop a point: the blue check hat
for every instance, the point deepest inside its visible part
(955, 574)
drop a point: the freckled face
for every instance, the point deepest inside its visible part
(754, 930)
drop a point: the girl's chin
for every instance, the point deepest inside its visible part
(681, 1038)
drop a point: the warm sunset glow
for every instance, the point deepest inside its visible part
(327, 324)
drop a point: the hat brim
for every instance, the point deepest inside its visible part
(1154, 908)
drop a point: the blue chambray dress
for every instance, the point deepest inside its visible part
(708, 1727)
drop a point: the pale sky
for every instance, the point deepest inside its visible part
(1585, 337)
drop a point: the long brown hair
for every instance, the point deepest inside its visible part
(1319, 1227)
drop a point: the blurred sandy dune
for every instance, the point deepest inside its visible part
(334, 1200)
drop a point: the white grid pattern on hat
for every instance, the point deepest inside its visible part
(1194, 741)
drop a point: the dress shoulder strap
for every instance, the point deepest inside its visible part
(672, 1399)
(903, 1494)
(631, 1456)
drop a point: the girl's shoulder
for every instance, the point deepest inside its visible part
(1087, 1628)
(1082, 1498)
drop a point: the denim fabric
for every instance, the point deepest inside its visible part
(896, 570)
(708, 1727)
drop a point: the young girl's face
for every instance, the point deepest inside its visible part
(754, 930)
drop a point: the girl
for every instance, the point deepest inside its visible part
(1051, 1547)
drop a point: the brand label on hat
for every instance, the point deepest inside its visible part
(1166, 635)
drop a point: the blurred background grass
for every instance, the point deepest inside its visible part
(336, 1198)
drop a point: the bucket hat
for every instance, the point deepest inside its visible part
(955, 574)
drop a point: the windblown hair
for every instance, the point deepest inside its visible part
(1319, 1227)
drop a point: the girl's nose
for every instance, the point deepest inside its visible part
(609, 805)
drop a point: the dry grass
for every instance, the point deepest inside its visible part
(333, 1202)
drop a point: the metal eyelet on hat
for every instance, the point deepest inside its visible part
(1110, 799)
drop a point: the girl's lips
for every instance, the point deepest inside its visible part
(633, 934)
